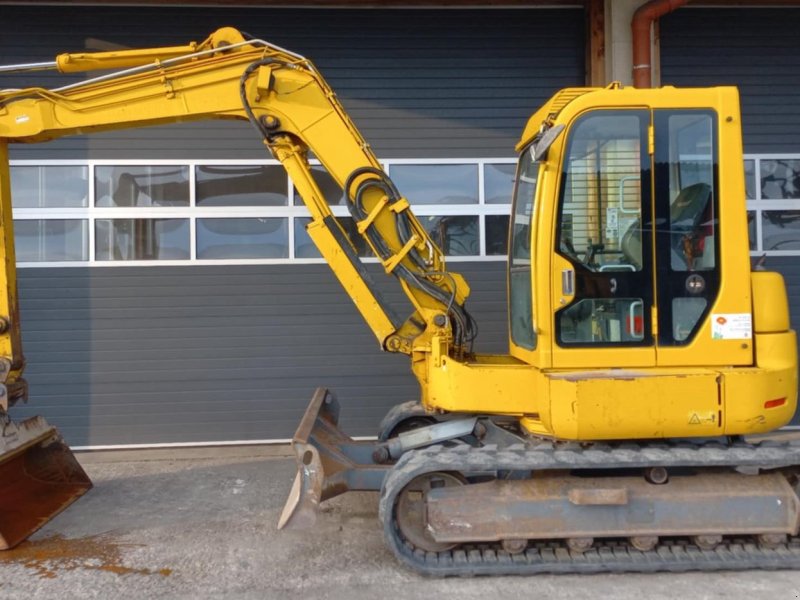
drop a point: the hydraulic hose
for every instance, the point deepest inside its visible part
(248, 110)
(464, 328)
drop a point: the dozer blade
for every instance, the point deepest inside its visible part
(39, 477)
(329, 463)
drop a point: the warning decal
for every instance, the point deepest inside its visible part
(732, 326)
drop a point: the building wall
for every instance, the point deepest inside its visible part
(196, 351)
(418, 83)
(184, 354)
(756, 49)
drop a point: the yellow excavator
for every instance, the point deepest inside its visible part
(644, 351)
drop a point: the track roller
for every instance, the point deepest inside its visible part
(643, 543)
(707, 542)
(771, 540)
(580, 545)
(514, 546)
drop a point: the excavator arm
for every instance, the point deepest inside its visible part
(297, 114)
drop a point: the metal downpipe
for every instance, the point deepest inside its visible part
(641, 24)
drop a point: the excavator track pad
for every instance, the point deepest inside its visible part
(715, 522)
(520, 508)
(39, 477)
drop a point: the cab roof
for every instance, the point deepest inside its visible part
(574, 100)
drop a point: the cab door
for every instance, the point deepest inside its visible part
(688, 271)
(602, 264)
(703, 303)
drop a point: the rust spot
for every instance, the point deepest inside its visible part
(56, 553)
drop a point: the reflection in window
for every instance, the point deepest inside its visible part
(691, 184)
(56, 240)
(242, 238)
(303, 245)
(496, 235)
(455, 235)
(780, 229)
(686, 312)
(142, 239)
(257, 185)
(600, 220)
(752, 232)
(780, 179)
(750, 179)
(437, 184)
(305, 248)
(50, 186)
(141, 186)
(498, 183)
(326, 183)
(603, 321)
(520, 311)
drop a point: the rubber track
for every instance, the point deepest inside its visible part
(605, 556)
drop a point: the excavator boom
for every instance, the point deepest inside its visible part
(296, 114)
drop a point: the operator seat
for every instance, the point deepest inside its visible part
(689, 207)
(631, 244)
(687, 214)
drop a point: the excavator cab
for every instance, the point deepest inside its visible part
(636, 213)
(621, 334)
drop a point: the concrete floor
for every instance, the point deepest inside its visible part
(201, 524)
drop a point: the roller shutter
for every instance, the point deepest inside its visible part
(195, 353)
(756, 49)
(418, 83)
(147, 355)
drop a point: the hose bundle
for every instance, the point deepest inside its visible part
(464, 326)
(420, 277)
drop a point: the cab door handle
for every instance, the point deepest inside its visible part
(567, 282)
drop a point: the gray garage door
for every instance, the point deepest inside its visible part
(126, 353)
(419, 83)
(756, 49)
